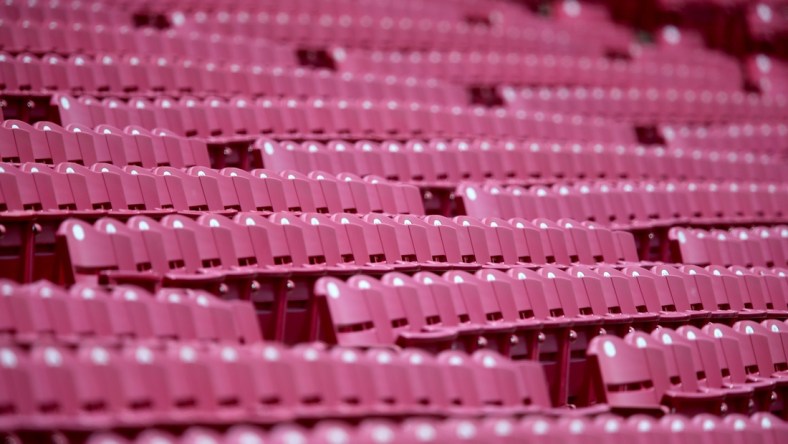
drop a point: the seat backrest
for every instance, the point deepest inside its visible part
(356, 317)
(622, 372)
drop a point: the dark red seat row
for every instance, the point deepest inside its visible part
(745, 139)
(633, 204)
(760, 428)
(757, 246)
(35, 198)
(424, 33)
(172, 75)
(435, 163)
(526, 69)
(241, 118)
(43, 313)
(648, 106)
(180, 383)
(99, 39)
(512, 311)
(47, 142)
(275, 260)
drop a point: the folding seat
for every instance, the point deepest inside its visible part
(198, 118)
(241, 108)
(268, 116)
(747, 304)
(13, 72)
(25, 317)
(491, 200)
(89, 255)
(541, 429)
(484, 242)
(502, 306)
(267, 192)
(212, 247)
(553, 240)
(465, 316)
(219, 117)
(396, 382)
(314, 157)
(671, 364)
(397, 243)
(55, 395)
(557, 291)
(356, 377)
(17, 394)
(470, 243)
(354, 194)
(747, 429)
(31, 145)
(610, 294)
(771, 246)
(431, 309)
(373, 324)
(285, 241)
(758, 292)
(188, 380)
(236, 191)
(299, 192)
(716, 428)
(135, 313)
(461, 430)
(749, 249)
(43, 313)
(199, 315)
(324, 384)
(189, 193)
(286, 156)
(653, 291)
(428, 383)
(683, 291)
(141, 147)
(99, 147)
(30, 72)
(101, 389)
(397, 198)
(547, 203)
(581, 242)
(314, 196)
(96, 193)
(63, 145)
(706, 291)
(735, 363)
(756, 350)
(319, 240)
(168, 252)
(167, 113)
(776, 291)
(346, 249)
(613, 363)
(24, 250)
(409, 330)
(597, 244)
(137, 192)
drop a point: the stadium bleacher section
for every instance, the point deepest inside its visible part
(380, 221)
